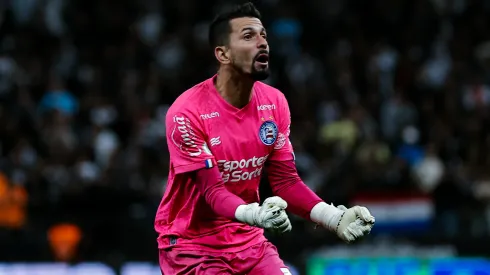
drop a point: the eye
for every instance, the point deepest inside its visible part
(264, 36)
(247, 36)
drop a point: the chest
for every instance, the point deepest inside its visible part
(231, 137)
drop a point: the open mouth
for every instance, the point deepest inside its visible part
(262, 59)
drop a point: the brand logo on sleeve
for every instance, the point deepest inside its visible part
(215, 141)
(210, 116)
(184, 137)
(281, 141)
(268, 132)
(266, 107)
(283, 138)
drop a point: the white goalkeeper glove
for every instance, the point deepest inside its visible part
(270, 216)
(281, 223)
(350, 224)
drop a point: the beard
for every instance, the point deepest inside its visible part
(259, 75)
(254, 73)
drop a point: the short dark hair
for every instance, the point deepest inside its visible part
(220, 28)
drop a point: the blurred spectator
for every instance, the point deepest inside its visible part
(410, 151)
(13, 202)
(64, 240)
(429, 171)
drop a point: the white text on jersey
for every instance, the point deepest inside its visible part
(266, 107)
(188, 136)
(209, 116)
(244, 169)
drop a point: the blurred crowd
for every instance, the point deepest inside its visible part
(385, 95)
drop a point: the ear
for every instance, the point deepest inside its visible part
(222, 54)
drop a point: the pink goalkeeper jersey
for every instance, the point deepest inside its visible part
(203, 130)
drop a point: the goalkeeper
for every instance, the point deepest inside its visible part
(221, 134)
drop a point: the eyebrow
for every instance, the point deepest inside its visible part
(252, 29)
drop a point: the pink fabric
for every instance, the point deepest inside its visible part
(259, 259)
(204, 131)
(286, 184)
(223, 202)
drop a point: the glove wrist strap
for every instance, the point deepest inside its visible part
(246, 213)
(327, 215)
(338, 224)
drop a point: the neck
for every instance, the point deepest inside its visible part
(234, 87)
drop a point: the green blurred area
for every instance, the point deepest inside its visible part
(398, 266)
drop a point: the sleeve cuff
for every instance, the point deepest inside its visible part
(282, 156)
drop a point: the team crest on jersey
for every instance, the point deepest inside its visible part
(268, 132)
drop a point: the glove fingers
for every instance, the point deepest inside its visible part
(364, 214)
(341, 207)
(355, 231)
(277, 201)
(281, 204)
(288, 228)
(281, 217)
(272, 213)
(281, 221)
(363, 226)
(283, 226)
(359, 223)
(366, 230)
(348, 237)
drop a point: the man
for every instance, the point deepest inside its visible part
(221, 134)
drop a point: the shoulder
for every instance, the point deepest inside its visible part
(270, 93)
(270, 98)
(190, 102)
(267, 90)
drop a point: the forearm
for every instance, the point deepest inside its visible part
(287, 184)
(212, 187)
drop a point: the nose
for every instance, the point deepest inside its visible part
(262, 42)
